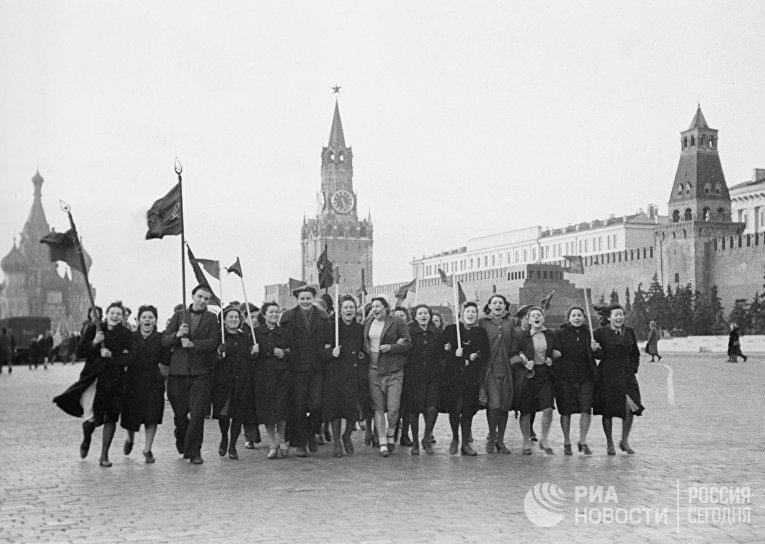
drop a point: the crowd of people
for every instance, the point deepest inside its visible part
(310, 376)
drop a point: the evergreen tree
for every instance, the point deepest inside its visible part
(637, 318)
(627, 301)
(753, 315)
(614, 297)
(602, 299)
(717, 316)
(683, 310)
(739, 314)
(702, 318)
(656, 304)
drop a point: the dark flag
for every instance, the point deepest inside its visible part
(324, 265)
(574, 264)
(64, 247)
(293, 284)
(363, 289)
(200, 276)
(545, 304)
(461, 297)
(165, 217)
(447, 280)
(236, 268)
(211, 267)
(402, 291)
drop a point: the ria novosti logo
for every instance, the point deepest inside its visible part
(544, 504)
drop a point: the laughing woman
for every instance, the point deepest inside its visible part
(97, 395)
(422, 375)
(341, 380)
(144, 401)
(617, 391)
(462, 373)
(233, 385)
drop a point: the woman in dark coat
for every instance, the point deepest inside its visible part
(617, 393)
(652, 345)
(575, 372)
(97, 395)
(734, 345)
(341, 376)
(144, 401)
(533, 378)
(422, 375)
(497, 376)
(272, 379)
(462, 374)
(233, 385)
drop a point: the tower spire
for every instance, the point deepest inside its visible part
(336, 136)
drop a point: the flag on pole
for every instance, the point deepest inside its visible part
(574, 264)
(195, 266)
(447, 280)
(545, 304)
(324, 265)
(293, 284)
(462, 298)
(236, 268)
(64, 246)
(363, 289)
(211, 267)
(164, 218)
(402, 291)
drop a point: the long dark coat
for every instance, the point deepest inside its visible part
(422, 373)
(619, 360)
(144, 400)
(341, 374)
(272, 376)
(542, 373)
(461, 377)
(233, 380)
(651, 346)
(110, 373)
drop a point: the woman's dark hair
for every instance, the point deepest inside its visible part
(383, 301)
(266, 305)
(434, 314)
(571, 309)
(467, 304)
(430, 312)
(605, 311)
(344, 299)
(486, 308)
(116, 304)
(147, 308)
(402, 309)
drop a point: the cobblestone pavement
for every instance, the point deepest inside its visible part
(709, 444)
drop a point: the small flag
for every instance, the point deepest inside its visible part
(236, 268)
(447, 280)
(165, 217)
(214, 300)
(324, 265)
(64, 247)
(363, 289)
(293, 284)
(461, 297)
(211, 267)
(545, 304)
(574, 264)
(404, 289)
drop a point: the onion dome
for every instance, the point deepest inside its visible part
(15, 261)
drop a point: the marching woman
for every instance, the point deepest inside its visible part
(97, 395)
(652, 345)
(734, 345)
(341, 399)
(533, 379)
(617, 393)
(272, 379)
(462, 373)
(386, 341)
(144, 401)
(497, 377)
(422, 375)
(575, 372)
(233, 386)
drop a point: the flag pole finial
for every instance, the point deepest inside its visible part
(178, 166)
(64, 206)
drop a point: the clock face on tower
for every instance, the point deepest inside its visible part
(342, 201)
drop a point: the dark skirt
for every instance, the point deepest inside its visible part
(459, 390)
(233, 398)
(272, 392)
(340, 390)
(536, 396)
(611, 394)
(573, 397)
(144, 400)
(421, 387)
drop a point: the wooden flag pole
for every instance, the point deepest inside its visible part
(416, 287)
(249, 314)
(456, 311)
(589, 317)
(337, 309)
(81, 254)
(178, 171)
(222, 317)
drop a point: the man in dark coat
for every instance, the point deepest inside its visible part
(6, 353)
(306, 327)
(193, 336)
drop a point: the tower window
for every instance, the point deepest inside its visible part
(720, 214)
(677, 278)
(688, 189)
(706, 214)
(341, 157)
(688, 214)
(717, 189)
(680, 189)
(693, 141)
(701, 142)
(707, 189)
(685, 143)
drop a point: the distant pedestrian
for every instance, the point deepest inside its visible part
(193, 336)
(144, 400)
(651, 346)
(46, 347)
(734, 345)
(35, 353)
(5, 350)
(97, 395)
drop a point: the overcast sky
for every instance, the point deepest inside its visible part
(465, 118)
